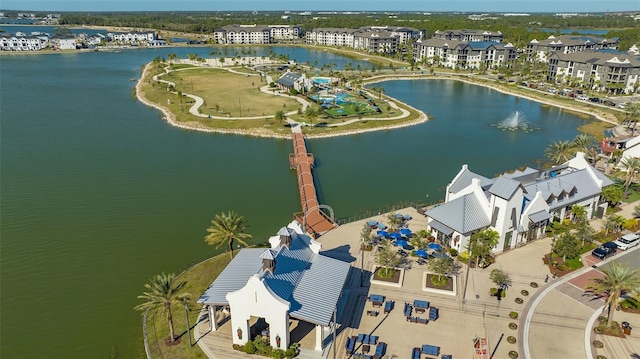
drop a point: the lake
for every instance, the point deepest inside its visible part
(98, 193)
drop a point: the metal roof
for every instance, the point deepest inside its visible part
(289, 79)
(440, 227)
(464, 214)
(568, 188)
(312, 283)
(539, 216)
(504, 187)
(464, 180)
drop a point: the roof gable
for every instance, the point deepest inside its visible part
(464, 214)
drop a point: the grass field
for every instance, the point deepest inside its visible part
(227, 93)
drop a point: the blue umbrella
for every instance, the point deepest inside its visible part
(395, 235)
(435, 246)
(407, 217)
(381, 226)
(372, 223)
(382, 233)
(421, 253)
(405, 231)
(398, 215)
(401, 243)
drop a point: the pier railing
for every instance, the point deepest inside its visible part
(379, 211)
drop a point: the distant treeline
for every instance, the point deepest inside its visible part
(518, 30)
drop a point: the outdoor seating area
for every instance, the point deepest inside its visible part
(420, 307)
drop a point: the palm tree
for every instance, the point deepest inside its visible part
(162, 292)
(280, 116)
(584, 143)
(618, 279)
(482, 243)
(311, 114)
(560, 151)
(227, 228)
(631, 165)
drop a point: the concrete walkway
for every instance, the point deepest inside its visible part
(558, 321)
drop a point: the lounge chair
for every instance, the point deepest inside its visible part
(415, 354)
(388, 306)
(434, 313)
(350, 345)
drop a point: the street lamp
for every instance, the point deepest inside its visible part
(186, 313)
(362, 263)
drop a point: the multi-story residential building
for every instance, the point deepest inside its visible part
(541, 50)
(330, 37)
(64, 42)
(602, 70)
(368, 38)
(132, 37)
(517, 205)
(464, 55)
(255, 34)
(285, 32)
(469, 35)
(21, 42)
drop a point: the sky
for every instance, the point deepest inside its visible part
(553, 6)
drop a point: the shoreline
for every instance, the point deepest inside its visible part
(171, 119)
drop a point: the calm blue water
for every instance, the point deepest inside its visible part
(98, 193)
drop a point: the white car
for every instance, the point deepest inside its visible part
(582, 97)
(627, 241)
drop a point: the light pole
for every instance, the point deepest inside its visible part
(362, 263)
(186, 313)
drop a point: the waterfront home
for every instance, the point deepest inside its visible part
(464, 54)
(541, 50)
(517, 205)
(64, 42)
(628, 145)
(21, 42)
(381, 39)
(602, 70)
(290, 280)
(134, 37)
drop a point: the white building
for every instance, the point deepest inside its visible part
(285, 32)
(292, 279)
(541, 50)
(21, 42)
(64, 43)
(242, 34)
(517, 205)
(462, 54)
(132, 37)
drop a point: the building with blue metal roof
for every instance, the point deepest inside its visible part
(517, 205)
(279, 283)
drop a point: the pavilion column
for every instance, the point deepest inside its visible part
(319, 337)
(213, 323)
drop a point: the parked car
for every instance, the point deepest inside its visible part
(622, 105)
(605, 250)
(627, 241)
(552, 90)
(583, 97)
(594, 99)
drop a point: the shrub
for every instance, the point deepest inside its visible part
(290, 353)
(249, 348)
(513, 315)
(453, 252)
(519, 300)
(513, 326)
(463, 257)
(511, 339)
(278, 354)
(598, 344)
(513, 354)
(533, 285)
(524, 292)
(494, 291)
(630, 303)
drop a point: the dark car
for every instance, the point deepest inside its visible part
(605, 250)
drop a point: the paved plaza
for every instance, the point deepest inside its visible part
(553, 322)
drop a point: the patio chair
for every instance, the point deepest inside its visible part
(415, 354)
(381, 350)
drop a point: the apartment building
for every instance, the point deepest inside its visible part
(540, 50)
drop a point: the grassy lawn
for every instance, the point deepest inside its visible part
(229, 93)
(197, 279)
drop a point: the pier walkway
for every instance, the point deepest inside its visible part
(312, 217)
